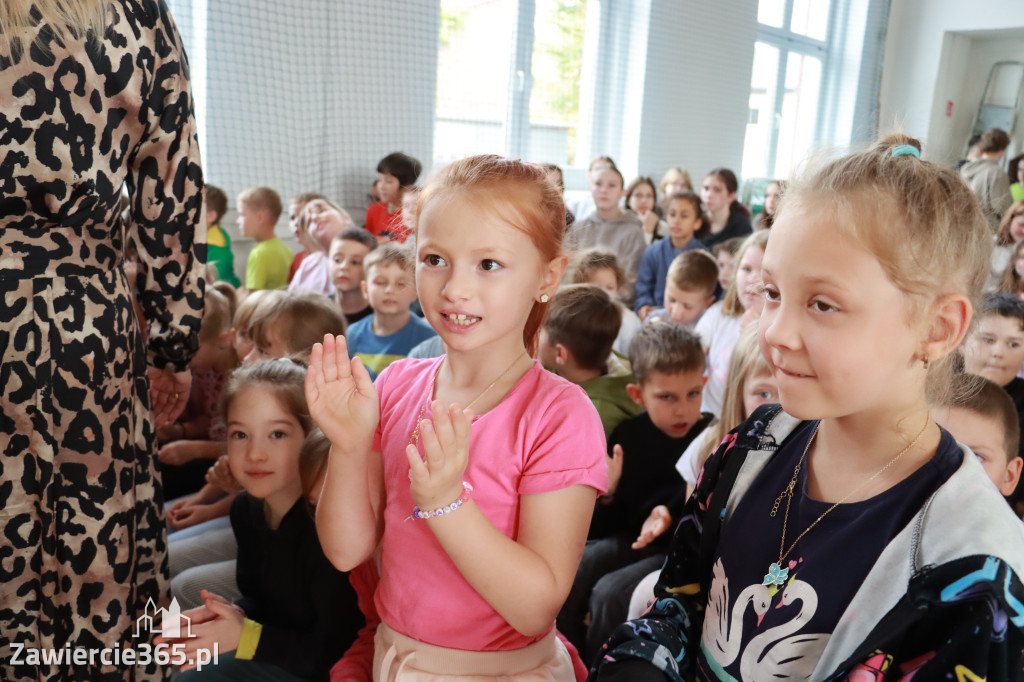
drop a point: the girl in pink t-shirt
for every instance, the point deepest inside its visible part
(481, 511)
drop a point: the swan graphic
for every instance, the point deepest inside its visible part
(778, 654)
(723, 634)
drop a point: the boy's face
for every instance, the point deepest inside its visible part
(606, 189)
(671, 400)
(682, 220)
(390, 288)
(984, 436)
(388, 187)
(996, 349)
(251, 222)
(685, 307)
(346, 264)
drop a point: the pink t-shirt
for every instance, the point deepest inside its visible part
(544, 436)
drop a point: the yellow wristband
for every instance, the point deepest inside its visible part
(249, 640)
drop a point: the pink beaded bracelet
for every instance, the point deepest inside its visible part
(418, 513)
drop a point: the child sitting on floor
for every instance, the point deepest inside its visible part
(576, 344)
(392, 330)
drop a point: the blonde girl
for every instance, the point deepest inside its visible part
(297, 614)
(601, 267)
(481, 519)
(1011, 232)
(674, 180)
(751, 384)
(719, 326)
(868, 543)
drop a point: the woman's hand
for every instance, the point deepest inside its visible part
(341, 397)
(437, 477)
(169, 392)
(656, 524)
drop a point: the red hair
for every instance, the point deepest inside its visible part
(521, 195)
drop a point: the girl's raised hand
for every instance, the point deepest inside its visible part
(341, 397)
(436, 479)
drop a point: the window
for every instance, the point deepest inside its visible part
(508, 79)
(786, 83)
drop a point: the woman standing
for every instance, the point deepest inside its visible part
(95, 95)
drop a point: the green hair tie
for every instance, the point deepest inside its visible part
(906, 150)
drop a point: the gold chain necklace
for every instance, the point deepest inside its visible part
(415, 435)
(776, 574)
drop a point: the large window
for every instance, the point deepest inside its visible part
(508, 79)
(789, 60)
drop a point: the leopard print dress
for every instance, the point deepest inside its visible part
(82, 541)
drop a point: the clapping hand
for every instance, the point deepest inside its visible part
(341, 397)
(436, 479)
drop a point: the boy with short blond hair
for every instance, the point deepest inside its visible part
(269, 261)
(668, 366)
(576, 343)
(392, 330)
(689, 288)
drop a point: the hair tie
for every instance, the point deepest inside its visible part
(906, 150)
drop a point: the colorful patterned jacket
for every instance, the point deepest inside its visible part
(944, 601)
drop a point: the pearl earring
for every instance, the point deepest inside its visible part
(544, 298)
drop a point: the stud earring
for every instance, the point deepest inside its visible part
(544, 298)
(924, 361)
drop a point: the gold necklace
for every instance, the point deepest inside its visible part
(415, 435)
(776, 574)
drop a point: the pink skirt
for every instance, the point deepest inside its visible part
(397, 658)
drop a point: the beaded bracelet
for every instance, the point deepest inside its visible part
(417, 513)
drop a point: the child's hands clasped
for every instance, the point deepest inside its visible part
(341, 397)
(216, 621)
(436, 478)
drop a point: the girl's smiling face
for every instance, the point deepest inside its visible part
(264, 441)
(478, 276)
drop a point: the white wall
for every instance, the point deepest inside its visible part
(914, 81)
(697, 88)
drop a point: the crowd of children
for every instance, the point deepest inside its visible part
(501, 502)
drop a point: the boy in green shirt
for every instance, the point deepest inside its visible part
(269, 261)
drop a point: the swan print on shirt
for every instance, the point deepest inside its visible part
(758, 635)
